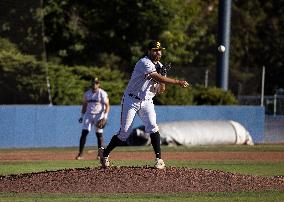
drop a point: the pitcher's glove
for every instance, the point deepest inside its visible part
(164, 69)
(101, 123)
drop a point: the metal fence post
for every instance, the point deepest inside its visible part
(275, 105)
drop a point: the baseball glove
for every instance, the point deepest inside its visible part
(164, 69)
(101, 123)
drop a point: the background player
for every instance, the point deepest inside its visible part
(145, 82)
(95, 109)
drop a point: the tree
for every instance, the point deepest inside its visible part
(23, 80)
(204, 28)
(271, 48)
(256, 41)
(99, 33)
(21, 24)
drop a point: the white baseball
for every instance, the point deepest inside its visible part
(221, 48)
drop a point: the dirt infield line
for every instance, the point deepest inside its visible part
(120, 155)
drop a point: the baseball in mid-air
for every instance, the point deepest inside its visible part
(221, 49)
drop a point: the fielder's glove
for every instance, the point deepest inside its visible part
(101, 123)
(80, 119)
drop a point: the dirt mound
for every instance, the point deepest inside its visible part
(137, 180)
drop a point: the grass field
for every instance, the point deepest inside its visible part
(191, 197)
(256, 167)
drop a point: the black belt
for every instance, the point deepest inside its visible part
(134, 96)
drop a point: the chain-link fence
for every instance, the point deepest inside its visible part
(274, 129)
(274, 119)
(274, 104)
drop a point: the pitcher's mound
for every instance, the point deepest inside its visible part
(137, 180)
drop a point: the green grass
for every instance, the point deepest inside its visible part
(267, 196)
(16, 167)
(236, 166)
(243, 167)
(213, 148)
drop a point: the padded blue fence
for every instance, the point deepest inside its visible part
(23, 126)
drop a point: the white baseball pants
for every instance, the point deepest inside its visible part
(129, 108)
(91, 120)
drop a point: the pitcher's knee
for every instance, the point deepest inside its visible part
(152, 129)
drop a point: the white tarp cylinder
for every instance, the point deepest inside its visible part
(204, 132)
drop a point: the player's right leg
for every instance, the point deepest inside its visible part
(86, 128)
(148, 117)
(82, 144)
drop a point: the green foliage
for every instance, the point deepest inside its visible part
(113, 34)
(245, 45)
(23, 80)
(270, 50)
(112, 81)
(204, 28)
(6, 45)
(179, 44)
(256, 41)
(195, 95)
(175, 95)
(88, 33)
(21, 23)
(213, 96)
(66, 88)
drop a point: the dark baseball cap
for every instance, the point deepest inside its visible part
(155, 45)
(95, 80)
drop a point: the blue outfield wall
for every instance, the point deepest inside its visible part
(24, 126)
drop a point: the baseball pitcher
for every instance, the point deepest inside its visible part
(148, 78)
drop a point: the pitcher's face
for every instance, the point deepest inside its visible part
(155, 55)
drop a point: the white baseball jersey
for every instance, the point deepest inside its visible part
(140, 84)
(137, 99)
(96, 101)
(95, 108)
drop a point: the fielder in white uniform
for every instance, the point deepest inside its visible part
(94, 113)
(145, 82)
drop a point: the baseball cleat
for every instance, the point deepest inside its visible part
(79, 157)
(159, 164)
(103, 160)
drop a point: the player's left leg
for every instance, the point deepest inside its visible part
(156, 142)
(99, 134)
(148, 116)
(100, 140)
